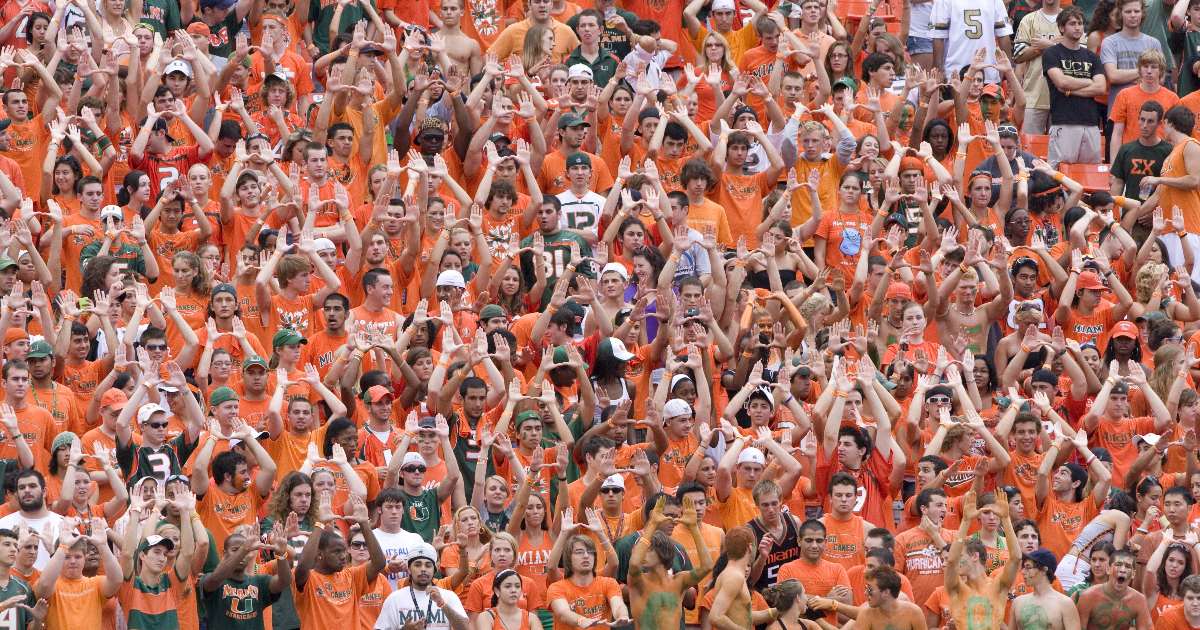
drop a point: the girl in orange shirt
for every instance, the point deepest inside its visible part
(370, 603)
(473, 539)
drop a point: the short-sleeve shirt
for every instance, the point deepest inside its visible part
(422, 513)
(590, 601)
(407, 603)
(166, 168)
(1135, 160)
(331, 601)
(222, 513)
(151, 607)
(969, 25)
(1079, 64)
(76, 603)
(1123, 52)
(239, 604)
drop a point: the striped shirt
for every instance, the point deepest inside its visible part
(151, 607)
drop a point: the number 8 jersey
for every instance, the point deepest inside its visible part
(969, 25)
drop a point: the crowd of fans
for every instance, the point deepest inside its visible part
(872, 314)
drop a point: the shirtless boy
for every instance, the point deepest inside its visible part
(977, 601)
(884, 611)
(731, 605)
(1114, 604)
(655, 595)
(464, 51)
(1042, 608)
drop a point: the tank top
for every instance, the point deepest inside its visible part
(614, 401)
(499, 622)
(782, 552)
(1188, 200)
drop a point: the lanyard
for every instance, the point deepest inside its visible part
(428, 601)
(54, 408)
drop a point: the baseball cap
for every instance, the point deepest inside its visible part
(287, 337)
(911, 163)
(579, 158)
(737, 113)
(6, 261)
(846, 82)
(149, 410)
(616, 268)
(178, 65)
(1044, 376)
(575, 309)
(199, 28)
(526, 415)
(428, 422)
(376, 393)
(14, 335)
(422, 550)
(1044, 558)
(451, 278)
(217, 4)
(434, 124)
(649, 112)
(255, 359)
(1120, 387)
(1090, 280)
(224, 287)
(159, 125)
(560, 356)
(898, 290)
(940, 390)
(492, 310)
(751, 456)
(572, 120)
(676, 407)
(1149, 438)
(1148, 315)
(614, 481)
(896, 217)
(616, 348)
(322, 244)
(580, 71)
(246, 61)
(156, 540)
(40, 349)
(992, 90)
(221, 395)
(1125, 329)
(112, 211)
(412, 458)
(116, 399)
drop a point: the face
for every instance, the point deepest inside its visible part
(17, 105)
(1018, 224)
(812, 544)
(1121, 571)
(1073, 29)
(510, 589)
(582, 558)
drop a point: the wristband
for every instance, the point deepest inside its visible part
(1089, 461)
(747, 354)
(371, 224)
(1143, 531)
(841, 394)
(119, 368)
(927, 158)
(1026, 348)
(1156, 294)
(352, 54)
(620, 181)
(740, 263)
(963, 267)
(277, 254)
(1058, 177)
(1022, 177)
(1181, 233)
(340, 359)
(1181, 374)
(789, 399)
(68, 318)
(1067, 93)
(961, 154)
(63, 547)
(1119, 200)
(552, 309)
(1057, 445)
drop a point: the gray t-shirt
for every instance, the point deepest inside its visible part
(1155, 25)
(694, 261)
(1124, 51)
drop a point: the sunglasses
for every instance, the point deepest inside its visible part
(611, 490)
(156, 347)
(358, 544)
(182, 478)
(157, 425)
(938, 400)
(1006, 129)
(411, 469)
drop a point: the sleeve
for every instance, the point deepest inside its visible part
(1117, 168)
(939, 20)
(933, 604)
(1149, 544)
(1050, 59)
(385, 620)
(611, 589)
(1117, 115)
(1003, 25)
(474, 601)
(453, 602)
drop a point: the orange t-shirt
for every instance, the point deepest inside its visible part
(222, 513)
(1187, 199)
(37, 427)
(590, 601)
(832, 228)
(844, 541)
(1061, 523)
(919, 559)
(331, 601)
(553, 178)
(82, 379)
(1173, 618)
(76, 603)
(741, 196)
(1128, 105)
(817, 579)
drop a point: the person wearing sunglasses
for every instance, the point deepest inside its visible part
(156, 456)
(1042, 607)
(422, 505)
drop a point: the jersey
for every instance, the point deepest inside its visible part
(138, 462)
(782, 552)
(555, 257)
(580, 213)
(15, 617)
(968, 25)
(164, 169)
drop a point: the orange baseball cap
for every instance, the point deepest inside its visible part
(114, 398)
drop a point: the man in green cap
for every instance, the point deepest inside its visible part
(8, 273)
(572, 131)
(254, 402)
(493, 317)
(223, 407)
(49, 395)
(581, 206)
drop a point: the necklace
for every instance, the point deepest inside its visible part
(960, 311)
(620, 527)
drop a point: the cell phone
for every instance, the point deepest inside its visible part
(85, 303)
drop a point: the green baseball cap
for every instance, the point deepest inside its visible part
(492, 310)
(287, 337)
(40, 349)
(526, 415)
(254, 359)
(6, 261)
(579, 158)
(560, 356)
(220, 395)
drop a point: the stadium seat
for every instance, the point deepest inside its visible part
(1092, 177)
(1038, 145)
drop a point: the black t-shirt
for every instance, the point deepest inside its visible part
(1135, 161)
(1079, 64)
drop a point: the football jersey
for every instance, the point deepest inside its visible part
(138, 462)
(580, 213)
(976, 24)
(555, 257)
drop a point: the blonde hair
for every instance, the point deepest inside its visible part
(531, 48)
(726, 63)
(813, 304)
(1147, 280)
(485, 534)
(1163, 376)
(1153, 58)
(507, 538)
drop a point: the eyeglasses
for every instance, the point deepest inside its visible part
(868, 591)
(583, 552)
(1025, 221)
(411, 469)
(611, 490)
(156, 347)
(938, 400)
(222, 364)
(1029, 305)
(358, 544)
(157, 425)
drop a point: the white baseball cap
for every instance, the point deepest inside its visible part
(178, 65)
(580, 70)
(616, 268)
(676, 407)
(149, 410)
(113, 211)
(322, 244)
(618, 349)
(614, 481)
(451, 278)
(412, 458)
(751, 456)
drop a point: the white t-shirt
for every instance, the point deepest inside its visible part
(969, 25)
(408, 603)
(396, 544)
(580, 213)
(13, 520)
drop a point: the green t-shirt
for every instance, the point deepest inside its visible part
(320, 15)
(163, 15)
(129, 257)
(15, 616)
(151, 610)
(556, 257)
(239, 604)
(611, 39)
(223, 33)
(283, 613)
(1135, 161)
(422, 513)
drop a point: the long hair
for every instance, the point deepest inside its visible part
(1101, 20)
(72, 162)
(279, 505)
(1110, 350)
(202, 281)
(1163, 376)
(1164, 585)
(129, 185)
(726, 63)
(485, 534)
(531, 48)
(514, 304)
(93, 275)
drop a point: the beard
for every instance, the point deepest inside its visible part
(32, 505)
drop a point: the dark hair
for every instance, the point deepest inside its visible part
(72, 162)
(874, 62)
(1180, 490)
(925, 497)
(507, 573)
(696, 168)
(843, 479)
(885, 578)
(596, 443)
(332, 430)
(885, 556)
(885, 536)
(388, 495)
(1100, 19)
(224, 465)
(472, 382)
(1181, 118)
(1069, 12)
(129, 185)
(811, 524)
(939, 464)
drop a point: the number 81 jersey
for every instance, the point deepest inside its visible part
(138, 462)
(968, 25)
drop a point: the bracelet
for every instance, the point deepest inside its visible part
(927, 158)
(571, 268)
(834, 605)
(63, 547)
(963, 267)
(643, 539)
(1156, 294)
(341, 359)
(119, 368)
(68, 318)
(1181, 233)
(1022, 177)
(371, 224)
(358, 354)
(961, 154)
(352, 54)
(1090, 460)
(1067, 93)
(789, 399)
(1143, 531)
(1058, 177)
(740, 263)
(318, 525)
(746, 354)
(277, 254)
(827, 352)
(552, 309)
(1057, 445)
(841, 394)
(455, 94)
(1026, 348)
(673, 257)
(146, 128)
(1181, 374)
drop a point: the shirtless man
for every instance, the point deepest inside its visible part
(1043, 608)
(655, 596)
(884, 611)
(731, 605)
(1114, 605)
(976, 600)
(959, 290)
(464, 51)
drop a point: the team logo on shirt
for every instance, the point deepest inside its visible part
(485, 17)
